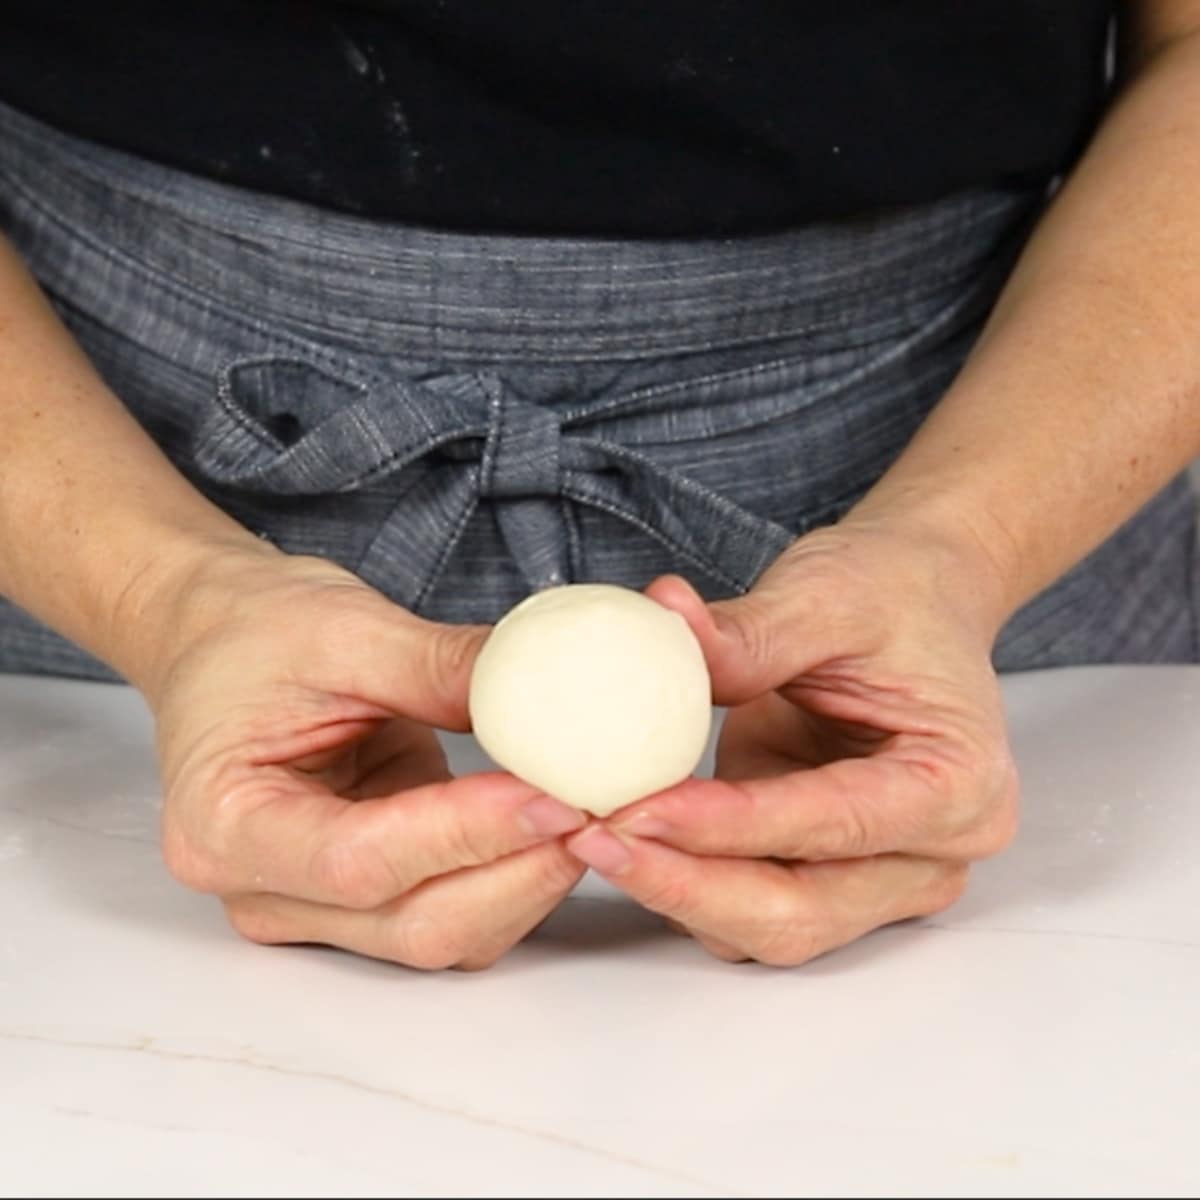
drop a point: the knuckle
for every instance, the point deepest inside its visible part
(670, 895)
(976, 792)
(353, 875)
(998, 833)
(787, 947)
(742, 655)
(755, 628)
(785, 936)
(947, 781)
(457, 647)
(724, 951)
(995, 774)
(481, 960)
(848, 832)
(557, 871)
(757, 637)
(188, 864)
(422, 943)
(996, 820)
(849, 837)
(473, 966)
(253, 922)
(452, 653)
(1007, 810)
(202, 826)
(463, 844)
(947, 890)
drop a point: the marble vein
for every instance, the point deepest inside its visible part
(147, 1045)
(87, 1114)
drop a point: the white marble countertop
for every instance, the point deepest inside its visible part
(1041, 1037)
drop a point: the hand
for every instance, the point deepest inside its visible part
(305, 788)
(863, 766)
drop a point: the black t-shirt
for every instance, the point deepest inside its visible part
(622, 117)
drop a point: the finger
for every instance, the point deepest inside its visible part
(468, 919)
(390, 756)
(405, 755)
(291, 836)
(338, 741)
(851, 808)
(424, 669)
(762, 640)
(713, 945)
(383, 654)
(770, 736)
(775, 914)
(720, 949)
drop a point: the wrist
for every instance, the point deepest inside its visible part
(967, 560)
(168, 602)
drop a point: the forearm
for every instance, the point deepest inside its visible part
(95, 522)
(1082, 397)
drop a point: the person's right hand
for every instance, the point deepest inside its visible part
(304, 785)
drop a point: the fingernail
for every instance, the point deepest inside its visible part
(645, 825)
(602, 852)
(544, 816)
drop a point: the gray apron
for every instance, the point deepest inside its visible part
(461, 418)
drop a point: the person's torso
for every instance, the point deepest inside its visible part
(608, 117)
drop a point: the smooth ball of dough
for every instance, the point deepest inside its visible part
(593, 693)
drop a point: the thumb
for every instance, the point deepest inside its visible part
(755, 643)
(422, 669)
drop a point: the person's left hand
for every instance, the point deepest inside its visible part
(863, 766)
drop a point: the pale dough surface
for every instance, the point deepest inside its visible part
(593, 693)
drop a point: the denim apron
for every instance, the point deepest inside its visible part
(461, 419)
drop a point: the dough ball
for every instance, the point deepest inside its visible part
(593, 693)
